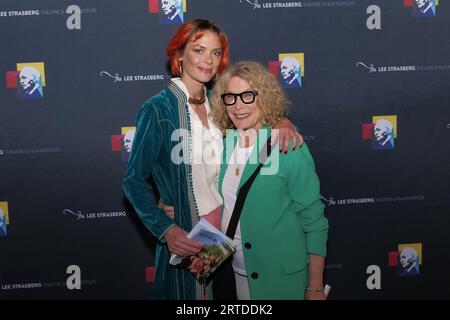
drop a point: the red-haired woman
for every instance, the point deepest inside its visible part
(177, 144)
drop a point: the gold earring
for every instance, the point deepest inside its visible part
(180, 67)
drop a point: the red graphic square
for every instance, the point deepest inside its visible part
(11, 77)
(274, 67)
(408, 3)
(153, 6)
(116, 142)
(393, 258)
(149, 274)
(367, 130)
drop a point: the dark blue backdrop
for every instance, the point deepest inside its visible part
(61, 159)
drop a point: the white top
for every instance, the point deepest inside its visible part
(207, 147)
(230, 186)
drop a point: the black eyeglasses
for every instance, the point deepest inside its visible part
(247, 97)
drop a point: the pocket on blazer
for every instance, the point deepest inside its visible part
(293, 264)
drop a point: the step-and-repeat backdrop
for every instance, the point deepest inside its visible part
(369, 85)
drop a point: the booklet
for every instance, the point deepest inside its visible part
(217, 247)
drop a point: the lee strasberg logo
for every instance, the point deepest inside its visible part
(40, 285)
(28, 151)
(265, 4)
(73, 12)
(382, 132)
(372, 69)
(123, 142)
(290, 69)
(170, 11)
(73, 281)
(28, 78)
(361, 200)
(422, 8)
(93, 215)
(44, 12)
(4, 218)
(407, 259)
(115, 77)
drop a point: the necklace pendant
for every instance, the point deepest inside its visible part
(236, 172)
(197, 102)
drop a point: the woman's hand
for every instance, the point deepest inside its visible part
(284, 130)
(179, 244)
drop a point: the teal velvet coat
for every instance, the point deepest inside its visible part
(158, 118)
(282, 220)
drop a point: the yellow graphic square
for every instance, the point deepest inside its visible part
(436, 2)
(39, 66)
(300, 57)
(4, 207)
(391, 119)
(126, 129)
(184, 6)
(416, 246)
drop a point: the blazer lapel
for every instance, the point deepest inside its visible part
(229, 143)
(253, 161)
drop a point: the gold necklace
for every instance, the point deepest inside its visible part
(197, 102)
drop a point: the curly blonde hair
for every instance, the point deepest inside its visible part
(271, 98)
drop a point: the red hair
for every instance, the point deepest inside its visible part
(195, 28)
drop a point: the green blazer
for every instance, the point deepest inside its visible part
(282, 220)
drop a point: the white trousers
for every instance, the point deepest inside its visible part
(242, 288)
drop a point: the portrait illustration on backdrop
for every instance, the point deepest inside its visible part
(291, 72)
(30, 80)
(289, 69)
(408, 261)
(171, 12)
(123, 142)
(383, 134)
(127, 142)
(424, 8)
(3, 230)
